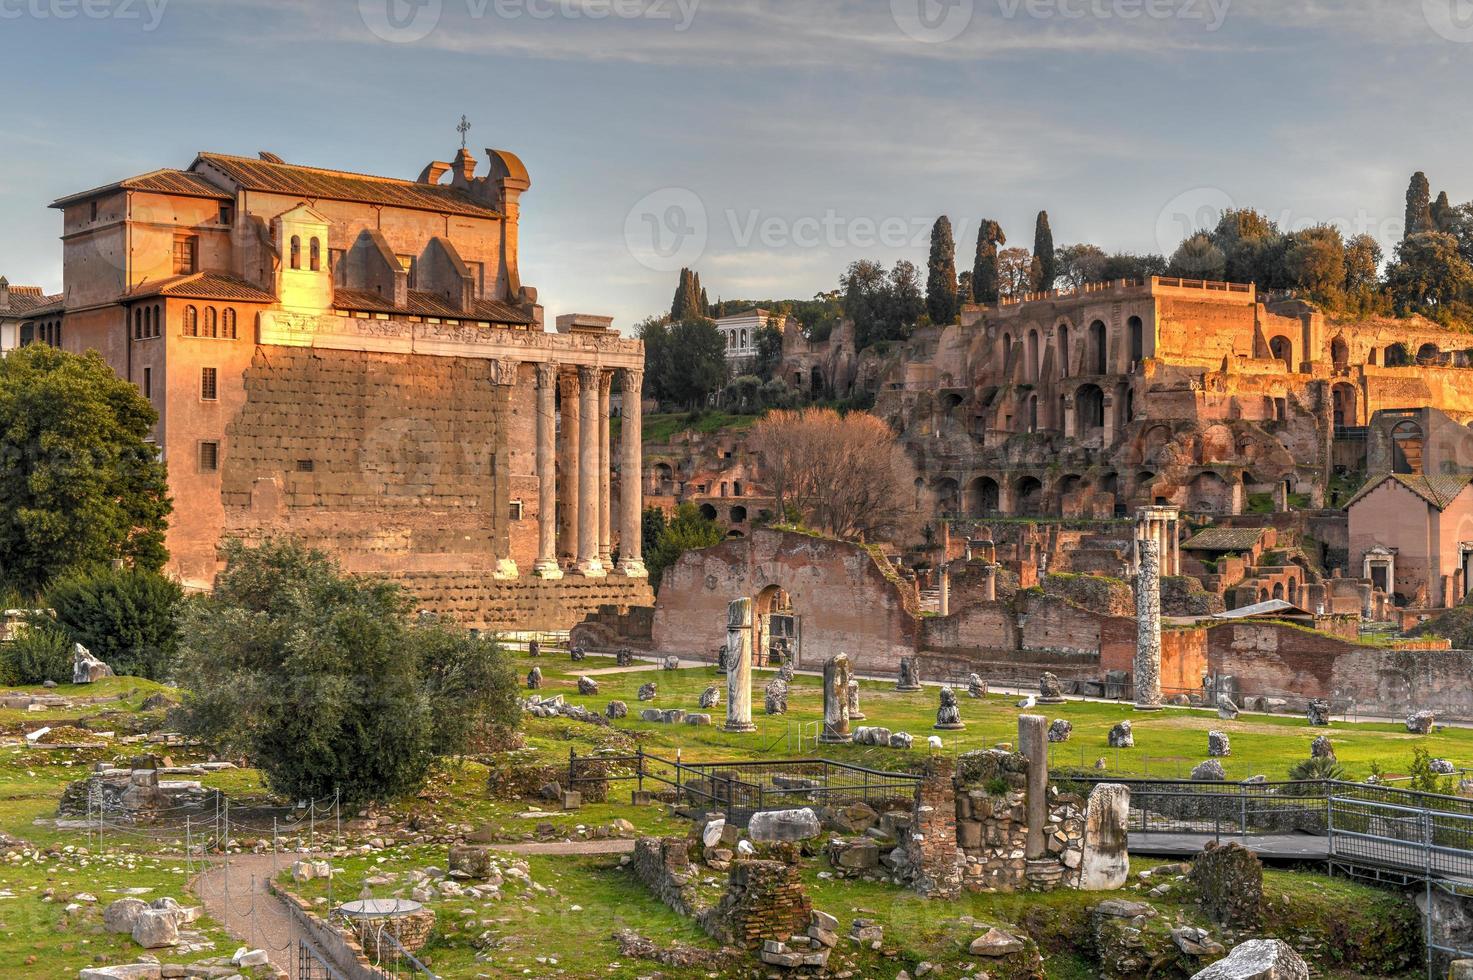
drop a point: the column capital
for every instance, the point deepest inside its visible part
(546, 374)
(605, 383)
(633, 381)
(503, 371)
(588, 375)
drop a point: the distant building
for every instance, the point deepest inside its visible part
(1412, 536)
(25, 314)
(740, 331)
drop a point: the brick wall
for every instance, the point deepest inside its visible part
(476, 600)
(763, 900)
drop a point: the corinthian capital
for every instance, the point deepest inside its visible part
(546, 374)
(633, 379)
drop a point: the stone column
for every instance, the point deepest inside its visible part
(945, 590)
(588, 476)
(738, 665)
(631, 477)
(605, 462)
(989, 582)
(568, 454)
(836, 700)
(1148, 627)
(503, 383)
(547, 516)
(1033, 743)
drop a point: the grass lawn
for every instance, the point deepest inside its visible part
(1169, 743)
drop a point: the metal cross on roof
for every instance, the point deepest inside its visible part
(462, 129)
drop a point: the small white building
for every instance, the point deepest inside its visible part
(740, 331)
(18, 304)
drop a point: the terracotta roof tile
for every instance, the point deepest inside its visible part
(204, 285)
(178, 182)
(339, 185)
(1224, 539)
(1438, 490)
(428, 304)
(29, 300)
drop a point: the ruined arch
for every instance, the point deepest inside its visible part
(1340, 354)
(1406, 447)
(1209, 493)
(1216, 445)
(1282, 349)
(1028, 497)
(708, 512)
(1063, 349)
(1153, 441)
(1137, 340)
(1099, 347)
(948, 495)
(1397, 355)
(739, 514)
(1428, 355)
(1034, 369)
(1344, 398)
(1089, 409)
(983, 497)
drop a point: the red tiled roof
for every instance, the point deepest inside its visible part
(177, 182)
(338, 185)
(1438, 490)
(29, 300)
(203, 285)
(428, 304)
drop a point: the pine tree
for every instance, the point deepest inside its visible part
(941, 302)
(1419, 208)
(1045, 265)
(990, 238)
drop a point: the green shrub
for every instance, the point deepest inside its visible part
(41, 652)
(128, 618)
(1316, 768)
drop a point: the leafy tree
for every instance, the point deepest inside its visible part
(985, 285)
(905, 301)
(1252, 247)
(1080, 265)
(1126, 265)
(1419, 208)
(865, 300)
(127, 617)
(696, 363)
(79, 485)
(1424, 780)
(40, 652)
(941, 299)
(320, 679)
(964, 292)
(687, 531)
(742, 394)
(1198, 258)
(1045, 264)
(1014, 272)
(1362, 263)
(1315, 261)
(1441, 214)
(655, 332)
(769, 351)
(1429, 275)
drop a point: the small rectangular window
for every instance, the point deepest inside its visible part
(94, 210)
(148, 382)
(209, 457)
(516, 510)
(227, 214)
(184, 255)
(208, 387)
(304, 466)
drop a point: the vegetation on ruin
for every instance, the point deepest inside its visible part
(126, 617)
(688, 530)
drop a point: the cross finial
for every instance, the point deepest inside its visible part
(462, 129)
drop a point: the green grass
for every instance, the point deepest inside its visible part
(661, 429)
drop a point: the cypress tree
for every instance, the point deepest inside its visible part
(1442, 212)
(1045, 268)
(990, 238)
(1419, 208)
(941, 303)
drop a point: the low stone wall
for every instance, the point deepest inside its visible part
(992, 827)
(477, 601)
(610, 628)
(340, 948)
(663, 865)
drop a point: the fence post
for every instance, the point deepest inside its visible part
(1243, 810)
(639, 768)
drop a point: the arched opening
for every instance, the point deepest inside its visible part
(1397, 355)
(1034, 368)
(1109, 483)
(1028, 497)
(1099, 347)
(1263, 595)
(1070, 484)
(1343, 397)
(1137, 340)
(1124, 406)
(1428, 355)
(1282, 349)
(777, 629)
(1406, 448)
(314, 255)
(1278, 590)
(1032, 413)
(739, 515)
(1371, 357)
(948, 496)
(1089, 409)
(664, 482)
(983, 495)
(1007, 350)
(1063, 350)
(950, 401)
(1340, 354)
(296, 256)
(1209, 493)
(815, 381)
(708, 512)
(1292, 593)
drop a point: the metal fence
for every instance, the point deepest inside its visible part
(312, 965)
(740, 789)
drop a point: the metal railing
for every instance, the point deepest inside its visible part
(740, 789)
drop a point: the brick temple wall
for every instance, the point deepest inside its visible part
(476, 600)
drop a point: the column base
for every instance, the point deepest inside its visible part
(591, 568)
(633, 568)
(547, 568)
(836, 738)
(505, 570)
(1149, 707)
(740, 728)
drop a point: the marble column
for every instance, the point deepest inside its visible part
(944, 590)
(1147, 676)
(1033, 743)
(836, 701)
(739, 666)
(605, 461)
(547, 517)
(503, 384)
(588, 476)
(568, 456)
(989, 582)
(631, 477)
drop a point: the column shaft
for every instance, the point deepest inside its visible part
(605, 460)
(547, 516)
(568, 456)
(588, 475)
(631, 477)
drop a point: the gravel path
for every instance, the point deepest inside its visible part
(234, 893)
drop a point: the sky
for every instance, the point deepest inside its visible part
(765, 143)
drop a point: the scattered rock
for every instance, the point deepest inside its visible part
(976, 686)
(1060, 730)
(901, 740)
(87, 668)
(616, 709)
(1441, 766)
(710, 697)
(1218, 745)
(120, 916)
(1258, 959)
(587, 685)
(1049, 690)
(995, 943)
(647, 691)
(784, 825)
(1318, 713)
(534, 679)
(1210, 771)
(775, 696)
(1226, 709)
(624, 657)
(1321, 748)
(156, 928)
(1420, 722)
(1121, 737)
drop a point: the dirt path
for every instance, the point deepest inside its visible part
(234, 893)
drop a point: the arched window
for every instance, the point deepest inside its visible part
(1033, 365)
(1282, 349)
(314, 256)
(296, 252)
(1063, 350)
(191, 322)
(158, 320)
(743, 344)
(1099, 347)
(227, 323)
(138, 324)
(1340, 353)
(1137, 340)
(211, 326)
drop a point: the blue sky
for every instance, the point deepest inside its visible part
(766, 142)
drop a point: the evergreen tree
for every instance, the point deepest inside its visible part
(1442, 214)
(687, 304)
(1419, 208)
(941, 301)
(1045, 264)
(990, 238)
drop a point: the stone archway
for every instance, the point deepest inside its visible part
(777, 634)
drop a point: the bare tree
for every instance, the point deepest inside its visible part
(845, 474)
